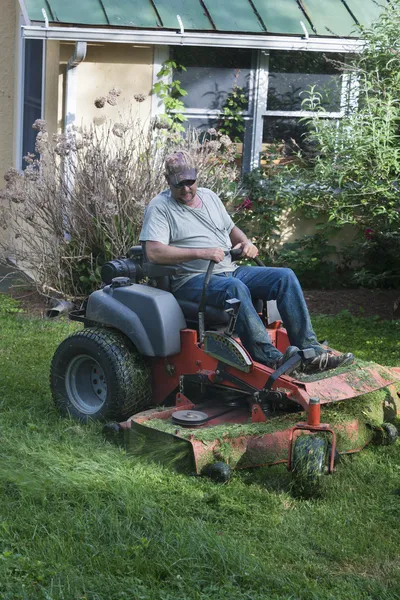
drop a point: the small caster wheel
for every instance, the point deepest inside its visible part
(113, 432)
(220, 472)
(390, 434)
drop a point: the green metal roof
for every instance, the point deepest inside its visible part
(325, 18)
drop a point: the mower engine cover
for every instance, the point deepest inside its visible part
(151, 318)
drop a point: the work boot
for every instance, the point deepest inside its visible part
(327, 361)
(290, 350)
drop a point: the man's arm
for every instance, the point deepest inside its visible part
(240, 240)
(170, 255)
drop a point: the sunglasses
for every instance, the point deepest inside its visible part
(186, 183)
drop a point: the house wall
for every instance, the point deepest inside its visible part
(8, 75)
(106, 66)
(9, 23)
(52, 96)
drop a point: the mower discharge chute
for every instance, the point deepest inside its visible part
(194, 397)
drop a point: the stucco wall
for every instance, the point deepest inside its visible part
(123, 66)
(8, 67)
(51, 97)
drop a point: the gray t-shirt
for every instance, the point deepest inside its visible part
(175, 224)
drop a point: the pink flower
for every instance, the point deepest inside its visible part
(246, 205)
(369, 233)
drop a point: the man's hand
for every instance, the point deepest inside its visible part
(215, 254)
(248, 249)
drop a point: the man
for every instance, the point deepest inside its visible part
(190, 226)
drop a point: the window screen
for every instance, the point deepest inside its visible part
(290, 73)
(32, 94)
(211, 74)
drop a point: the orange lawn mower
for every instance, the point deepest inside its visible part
(176, 386)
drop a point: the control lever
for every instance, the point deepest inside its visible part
(288, 366)
(233, 312)
(236, 253)
(202, 305)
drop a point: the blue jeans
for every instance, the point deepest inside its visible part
(266, 283)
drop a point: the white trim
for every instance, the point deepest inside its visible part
(302, 113)
(20, 99)
(247, 156)
(211, 112)
(209, 115)
(44, 58)
(24, 12)
(228, 40)
(261, 84)
(161, 54)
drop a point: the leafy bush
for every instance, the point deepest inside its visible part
(259, 211)
(309, 258)
(349, 172)
(380, 264)
(80, 201)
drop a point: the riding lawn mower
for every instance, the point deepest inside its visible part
(173, 383)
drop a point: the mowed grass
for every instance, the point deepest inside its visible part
(79, 520)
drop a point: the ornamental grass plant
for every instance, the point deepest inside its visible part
(81, 198)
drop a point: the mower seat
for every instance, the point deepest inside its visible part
(159, 277)
(213, 316)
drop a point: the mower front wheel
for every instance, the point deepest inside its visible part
(96, 374)
(310, 460)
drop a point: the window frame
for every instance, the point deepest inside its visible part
(22, 78)
(258, 94)
(348, 102)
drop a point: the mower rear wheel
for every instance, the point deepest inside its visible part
(310, 459)
(96, 374)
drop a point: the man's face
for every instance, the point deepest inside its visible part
(184, 192)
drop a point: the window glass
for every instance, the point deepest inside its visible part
(205, 123)
(32, 94)
(211, 74)
(291, 73)
(201, 123)
(285, 132)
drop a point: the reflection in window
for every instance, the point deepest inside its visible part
(291, 73)
(202, 123)
(211, 74)
(32, 94)
(285, 132)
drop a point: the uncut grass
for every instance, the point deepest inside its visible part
(81, 520)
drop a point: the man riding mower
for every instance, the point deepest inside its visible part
(214, 407)
(229, 385)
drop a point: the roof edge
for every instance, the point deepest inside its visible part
(172, 38)
(24, 12)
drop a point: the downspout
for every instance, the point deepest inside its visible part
(70, 84)
(70, 112)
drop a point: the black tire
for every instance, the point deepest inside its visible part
(96, 374)
(310, 458)
(390, 434)
(219, 472)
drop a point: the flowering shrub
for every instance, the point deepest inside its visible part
(80, 201)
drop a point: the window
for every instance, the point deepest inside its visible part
(211, 75)
(290, 75)
(32, 103)
(274, 83)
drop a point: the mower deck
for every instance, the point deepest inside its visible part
(230, 436)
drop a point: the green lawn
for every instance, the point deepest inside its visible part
(79, 520)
